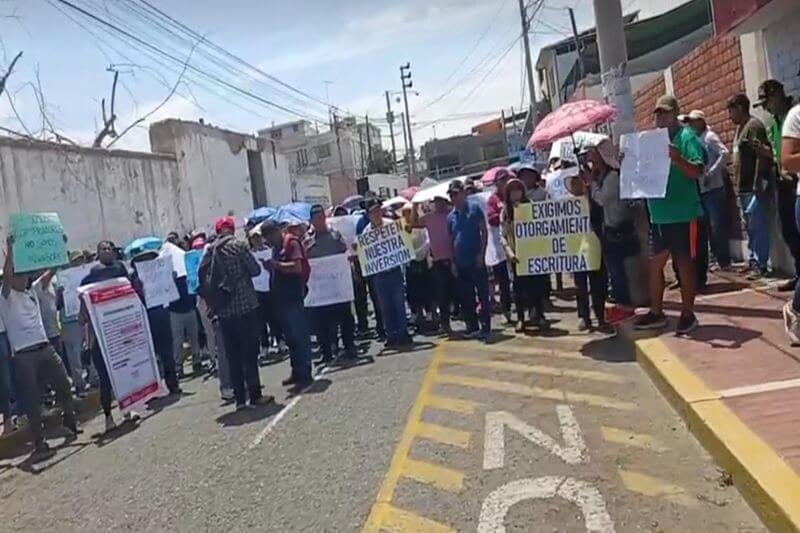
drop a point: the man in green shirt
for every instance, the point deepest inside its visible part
(771, 96)
(675, 220)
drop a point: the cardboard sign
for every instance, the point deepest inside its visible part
(192, 261)
(38, 241)
(120, 324)
(330, 282)
(158, 281)
(383, 248)
(177, 256)
(261, 282)
(70, 279)
(555, 236)
(645, 166)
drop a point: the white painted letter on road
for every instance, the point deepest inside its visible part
(572, 452)
(583, 494)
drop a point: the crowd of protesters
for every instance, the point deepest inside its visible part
(250, 301)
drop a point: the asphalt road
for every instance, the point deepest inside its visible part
(563, 433)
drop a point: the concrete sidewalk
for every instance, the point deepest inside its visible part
(736, 382)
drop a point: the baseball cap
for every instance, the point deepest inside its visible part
(767, 89)
(696, 114)
(455, 186)
(224, 223)
(268, 226)
(667, 103)
(371, 203)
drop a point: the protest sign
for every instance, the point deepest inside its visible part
(38, 241)
(645, 166)
(330, 281)
(177, 256)
(346, 226)
(261, 282)
(555, 236)
(158, 281)
(556, 182)
(192, 261)
(120, 324)
(384, 247)
(70, 279)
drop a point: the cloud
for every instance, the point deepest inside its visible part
(138, 138)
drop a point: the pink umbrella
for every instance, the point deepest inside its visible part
(491, 175)
(409, 193)
(570, 118)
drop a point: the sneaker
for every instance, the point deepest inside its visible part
(618, 314)
(226, 394)
(584, 325)
(787, 285)
(606, 329)
(484, 335)
(263, 400)
(687, 324)
(291, 380)
(131, 416)
(110, 424)
(791, 323)
(541, 323)
(520, 327)
(240, 407)
(472, 333)
(71, 423)
(651, 320)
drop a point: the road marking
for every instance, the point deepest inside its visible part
(583, 494)
(395, 519)
(385, 494)
(651, 486)
(535, 369)
(456, 405)
(535, 392)
(439, 476)
(533, 352)
(444, 435)
(769, 386)
(573, 452)
(628, 438)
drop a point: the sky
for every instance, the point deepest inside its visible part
(465, 56)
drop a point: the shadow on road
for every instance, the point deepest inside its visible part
(342, 364)
(411, 348)
(609, 350)
(249, 415)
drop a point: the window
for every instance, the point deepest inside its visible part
(295, 127)
(276, 134)
(383, 192)
(302, 158)
(323, 151)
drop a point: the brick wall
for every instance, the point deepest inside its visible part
(705, 79)
(645, 101)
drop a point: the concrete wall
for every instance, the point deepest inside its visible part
(782, 43)
(98, 194)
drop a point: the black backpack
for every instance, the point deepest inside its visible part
(214, 286)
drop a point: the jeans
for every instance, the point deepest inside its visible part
(620, 287)
(756, 215)
(500, 272)
(159, 320)
(418, 286)
(444, 287)
(5, 377)
(184, 325)
(72, 336)
(294, 322)
(599, 288)
(715, 204)
(787, 194)
(104, 381)
(472, 280)
(390, 290)
(241, 347)
(529, 293)
(330, 319)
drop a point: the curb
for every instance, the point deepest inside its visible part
(84, 407)
(769, 485)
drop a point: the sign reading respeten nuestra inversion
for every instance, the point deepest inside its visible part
(555, 236)
(383, 248)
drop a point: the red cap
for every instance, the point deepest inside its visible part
(225, 223)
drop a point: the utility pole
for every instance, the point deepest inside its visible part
(405, 139)
(614, 64)
(338, 143)
(361, 150)
(527, 45)
(369, 142)
(581, 68)
(390, 120)
(405, 74)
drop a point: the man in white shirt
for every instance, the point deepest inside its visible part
(790, 164)
(36, 362)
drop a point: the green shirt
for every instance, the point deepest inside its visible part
(682, 201)
(776, 134)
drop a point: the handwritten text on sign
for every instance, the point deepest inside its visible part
(330, 282)
(645, 166)
(38, 241)
(555, 236)
(158, 281)
(384, 248)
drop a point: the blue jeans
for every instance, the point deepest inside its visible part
(620, 290)
(471, 280)
(5, 377)
(390, 286)
(715, 204)
(756, 217)
(294, 322)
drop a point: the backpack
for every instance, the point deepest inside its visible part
(304, 265)
(214, 286)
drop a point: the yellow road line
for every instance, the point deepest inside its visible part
(532, 352)
(629, 438)
(654, 487)
(534, 369)
(378, 513)
(395, 519)
(444, 435)
(439, 476)
(535, 392)
(456, 405)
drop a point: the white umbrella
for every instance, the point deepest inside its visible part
(438, 190)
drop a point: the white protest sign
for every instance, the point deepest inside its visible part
(346, 226)
(557, 183)
(261, 282)
(120, 324)
(330, 282)
(177, 257)
(495, 253)
(645, 166)
(70, 279)
(384, 247)
(158, 282)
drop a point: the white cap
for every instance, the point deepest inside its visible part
(696, 114)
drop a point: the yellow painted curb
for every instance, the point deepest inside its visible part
(767, 482)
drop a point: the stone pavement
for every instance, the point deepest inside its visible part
(736, 381)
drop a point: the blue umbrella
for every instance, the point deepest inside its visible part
(143, 244)
(296, 210)
(261, 214)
